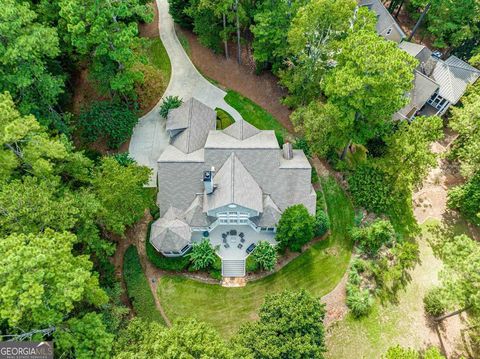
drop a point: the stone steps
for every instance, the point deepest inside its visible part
(233, 267)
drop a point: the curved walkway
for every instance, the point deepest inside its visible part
(149, 138)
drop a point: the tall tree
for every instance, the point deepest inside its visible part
(41, 280)
(311, 41)
(27, 49)
(84, 338)
(461, 276)
(106, 31)
(409, 156)
(290, 326)
(465, 120)
(186, 339)
(270, 45)
(369, 82)
(120, 191)
(451, 22)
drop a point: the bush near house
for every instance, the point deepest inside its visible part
(359, 298)
(295, 228)
(169, 103)
(176, 264)
(322, 223)
(265, 255)
(202, 255)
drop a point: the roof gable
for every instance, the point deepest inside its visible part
(241, 130)
(453, 76)
(234, 185)
(189, 124)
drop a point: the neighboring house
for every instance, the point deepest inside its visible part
(230, 186)
(438, 84)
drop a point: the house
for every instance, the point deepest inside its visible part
(438, 83)
(230, 186)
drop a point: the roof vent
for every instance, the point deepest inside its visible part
(287, 151)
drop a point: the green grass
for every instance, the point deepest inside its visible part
(138, 289)
(156, 54)
(184, 42)
(256, 115)
(318, 270)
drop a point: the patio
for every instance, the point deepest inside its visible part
(234, 241)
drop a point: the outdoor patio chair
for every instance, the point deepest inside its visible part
(242, 240)
(241, 235)
(224, 235)
(224, 240)
(226, 245)
(233, 232)
(240, 245)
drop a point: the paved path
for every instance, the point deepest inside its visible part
(149, 138)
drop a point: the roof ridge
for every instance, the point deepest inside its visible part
(189, 129)
(232, 188)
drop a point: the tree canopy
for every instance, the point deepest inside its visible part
(290, 326)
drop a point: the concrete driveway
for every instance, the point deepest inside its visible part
(149, 138)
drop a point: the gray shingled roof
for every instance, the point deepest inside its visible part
(234, 184)
(241, 130)
(423, 89)
(195, 216)
(271, 213)
(220, 140)
(169, 233)
(453, 77)
(189, 124)
(386, 25)
(420, 52)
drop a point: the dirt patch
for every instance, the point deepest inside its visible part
(150, 29)
(152, 273)
(262, 89)
(335, 302)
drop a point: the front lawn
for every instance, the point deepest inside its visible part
(319, 270)
(138, 289)
(255, 114)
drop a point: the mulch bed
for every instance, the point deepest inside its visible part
(262, 89)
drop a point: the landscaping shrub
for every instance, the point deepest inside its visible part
(251, 264)
(265, 255)
(359, 301)
(111, 119)
(169, 103)
(295, 228)
(202, 255)
(223, 119)
(434, 302)
(176, 264)
(314, 177)
(322, 223)
(374, 236)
